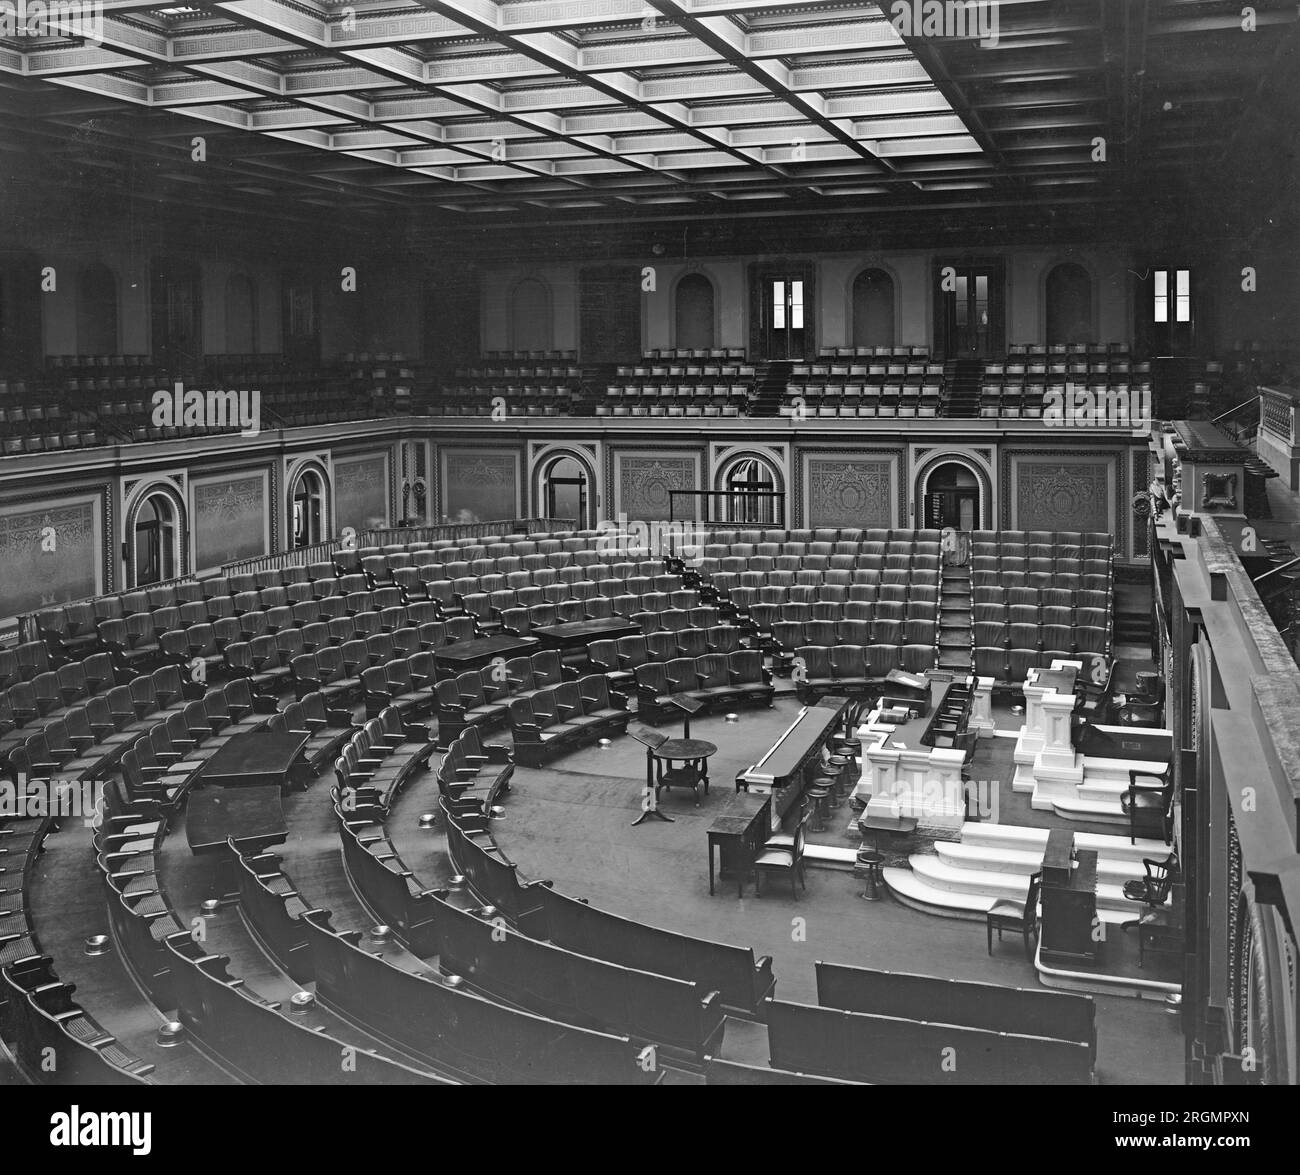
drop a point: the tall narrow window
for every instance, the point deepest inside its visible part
(1183, 296)
(1162, 295)
(778, 305)
(796, 305)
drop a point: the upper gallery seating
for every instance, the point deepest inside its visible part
(895, 383)
(679, 383)
(85, 400)
(540, 383)
(1018, 387)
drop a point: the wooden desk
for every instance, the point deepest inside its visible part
(453, 659)
(1069, 900)
(256, 758)
(739, 832)
(576, 634)
(251, 816)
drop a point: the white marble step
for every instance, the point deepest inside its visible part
(1096, 811)
(920, 894)
(1024, 862)
(1002, 886)
(1016, 836)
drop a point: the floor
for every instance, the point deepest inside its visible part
(572, 823)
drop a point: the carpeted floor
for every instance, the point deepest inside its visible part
(573, 824)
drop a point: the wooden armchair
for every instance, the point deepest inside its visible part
(1150, 809)
(1153, 889)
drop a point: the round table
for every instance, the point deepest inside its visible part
(693, 754)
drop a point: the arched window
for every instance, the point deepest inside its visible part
(693, 325)
(530, 317)
(750, 486)
(565, 490)
(155, 540)
(1069, 304)
(873, 309)
(308, 509)
(96, 311)
(241, 315)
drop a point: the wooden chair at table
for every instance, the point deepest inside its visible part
(1009, 916)
(782, 858)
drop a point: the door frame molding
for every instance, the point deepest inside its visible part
(760, 272)
(969, 460)
(997, 270)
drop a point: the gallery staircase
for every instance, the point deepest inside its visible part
(770, 382)
(955, 617)
(962, 381)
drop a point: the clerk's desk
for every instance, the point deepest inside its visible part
(1069, 900)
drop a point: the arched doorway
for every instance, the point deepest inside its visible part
(693, 313)
(750, 486)
(565, 490)
(530, 316)
(307, 503)
(155, 537)
(1068, 298)
(873, 309)
(951, 497)
(96, 310)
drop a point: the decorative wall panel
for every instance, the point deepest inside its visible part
(480, 485)
(49, 554)
(360, 492)
(849, 491)
(644, 481)
(230, 518)
(1059, 493)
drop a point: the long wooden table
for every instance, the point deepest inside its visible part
(782, 768)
